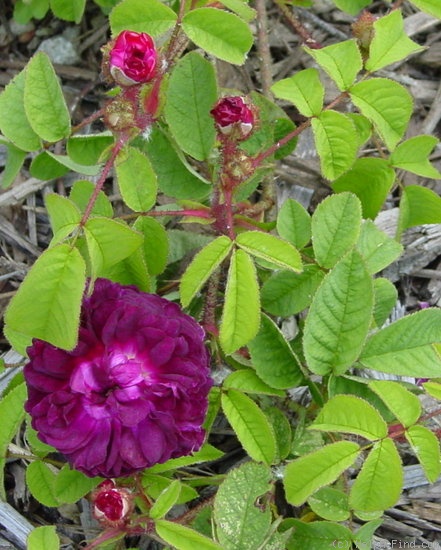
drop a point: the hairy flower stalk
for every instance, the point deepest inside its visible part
(131, 394)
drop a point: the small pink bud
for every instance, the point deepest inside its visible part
(112, 504)
(132, 58)
(231, 113)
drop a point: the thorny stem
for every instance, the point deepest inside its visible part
(264, 48)
(298, 26)
(174, 44)
(206, 214)
(88, 120)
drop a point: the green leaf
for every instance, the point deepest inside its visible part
(336, 143)
(152, 17)
(371, 180)
(43, 537)
(330, 504)
(130, 271)
(219, 33)
(390, 42)
(419, 205)
(241, 8)
(80, 194)
(206, 453)
(404, 405)
(405, 347)
(319, 535)
(155, 243)
(47, 304)
(25, 11)
(72, 10)
(363, 127)
(339, 317)
(350, 414)
(294, 223)
(71, 485)
(175, 177)
(87, 149)
(166, 500)
(433, 389)
(136, 180)
(247, 381)
(335, 227)
(413, 155)
(240, 524)
(342, 62)
(241, 313)
(250, 425)
(202, 267)
(377, 249)
(37, 446)
(352, 6)
(63, 213)
(155, 485)
(310, 472)
(363, 536)
(431, 7)
(286, 293)
(41, 480)
(379, 483)
(14, 123)
(387, 104)
(281, 426)
(270, 248)
(188, 105)
(101, 236)
(385, 299)
(44, 167)
(425, 445)
(14, 162)
(273, 358)
(183, 242)
(183, 538)
(304, 90)
(12, 414)
(44, 103)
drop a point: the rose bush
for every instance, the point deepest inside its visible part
(131, 394)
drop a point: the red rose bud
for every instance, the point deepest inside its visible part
(132, 58)
(112, 505)
(232, 113)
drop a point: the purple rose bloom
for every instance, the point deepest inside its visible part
(132, 393)
(132, 58)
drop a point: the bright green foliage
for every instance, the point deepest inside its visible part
(294, 223)
(48, 166)
(319, 535)
(219, 33)
(129, 271)
(350, 414)
(330, 504)
(413, 155)
(433, 389)
(88, 149)
(352, 6)
(425, 445)
(304, 90)
(43, 537)
(80, 194)
(44, 103)
(387, 104)
(71, 485)
(270, 248)
(385, 299)
(25, 11)
(406, 346)
(362, 126)
(247, 381)
(154, 245)
(47, 304)
(339, 317)
(390, 42)
(363, 536)
(14, 123)
(12, 415)
(166, 500)
(14, 162)
(342, 62)
(157, 487)
(203, 265)
(405, 405)
(241, 8)
(240, 524)
(152, 17)
(286, 293)
(136, 180)
(205, 453)
(419, 205)
(250, 425)
(64, 215)
(307, 474)
(335, 227)
(371, 180)
(336, 142)
(379, 483)
(41, 480)
(273, 358)
(187, 110)
(241, 313)
(282, 432)
(432, 7)
(376, 248)
(183, 538)
(70, 10)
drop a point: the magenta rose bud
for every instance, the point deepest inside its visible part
(132, 58)
(112, 505)
(133, 392)
(232, 113)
